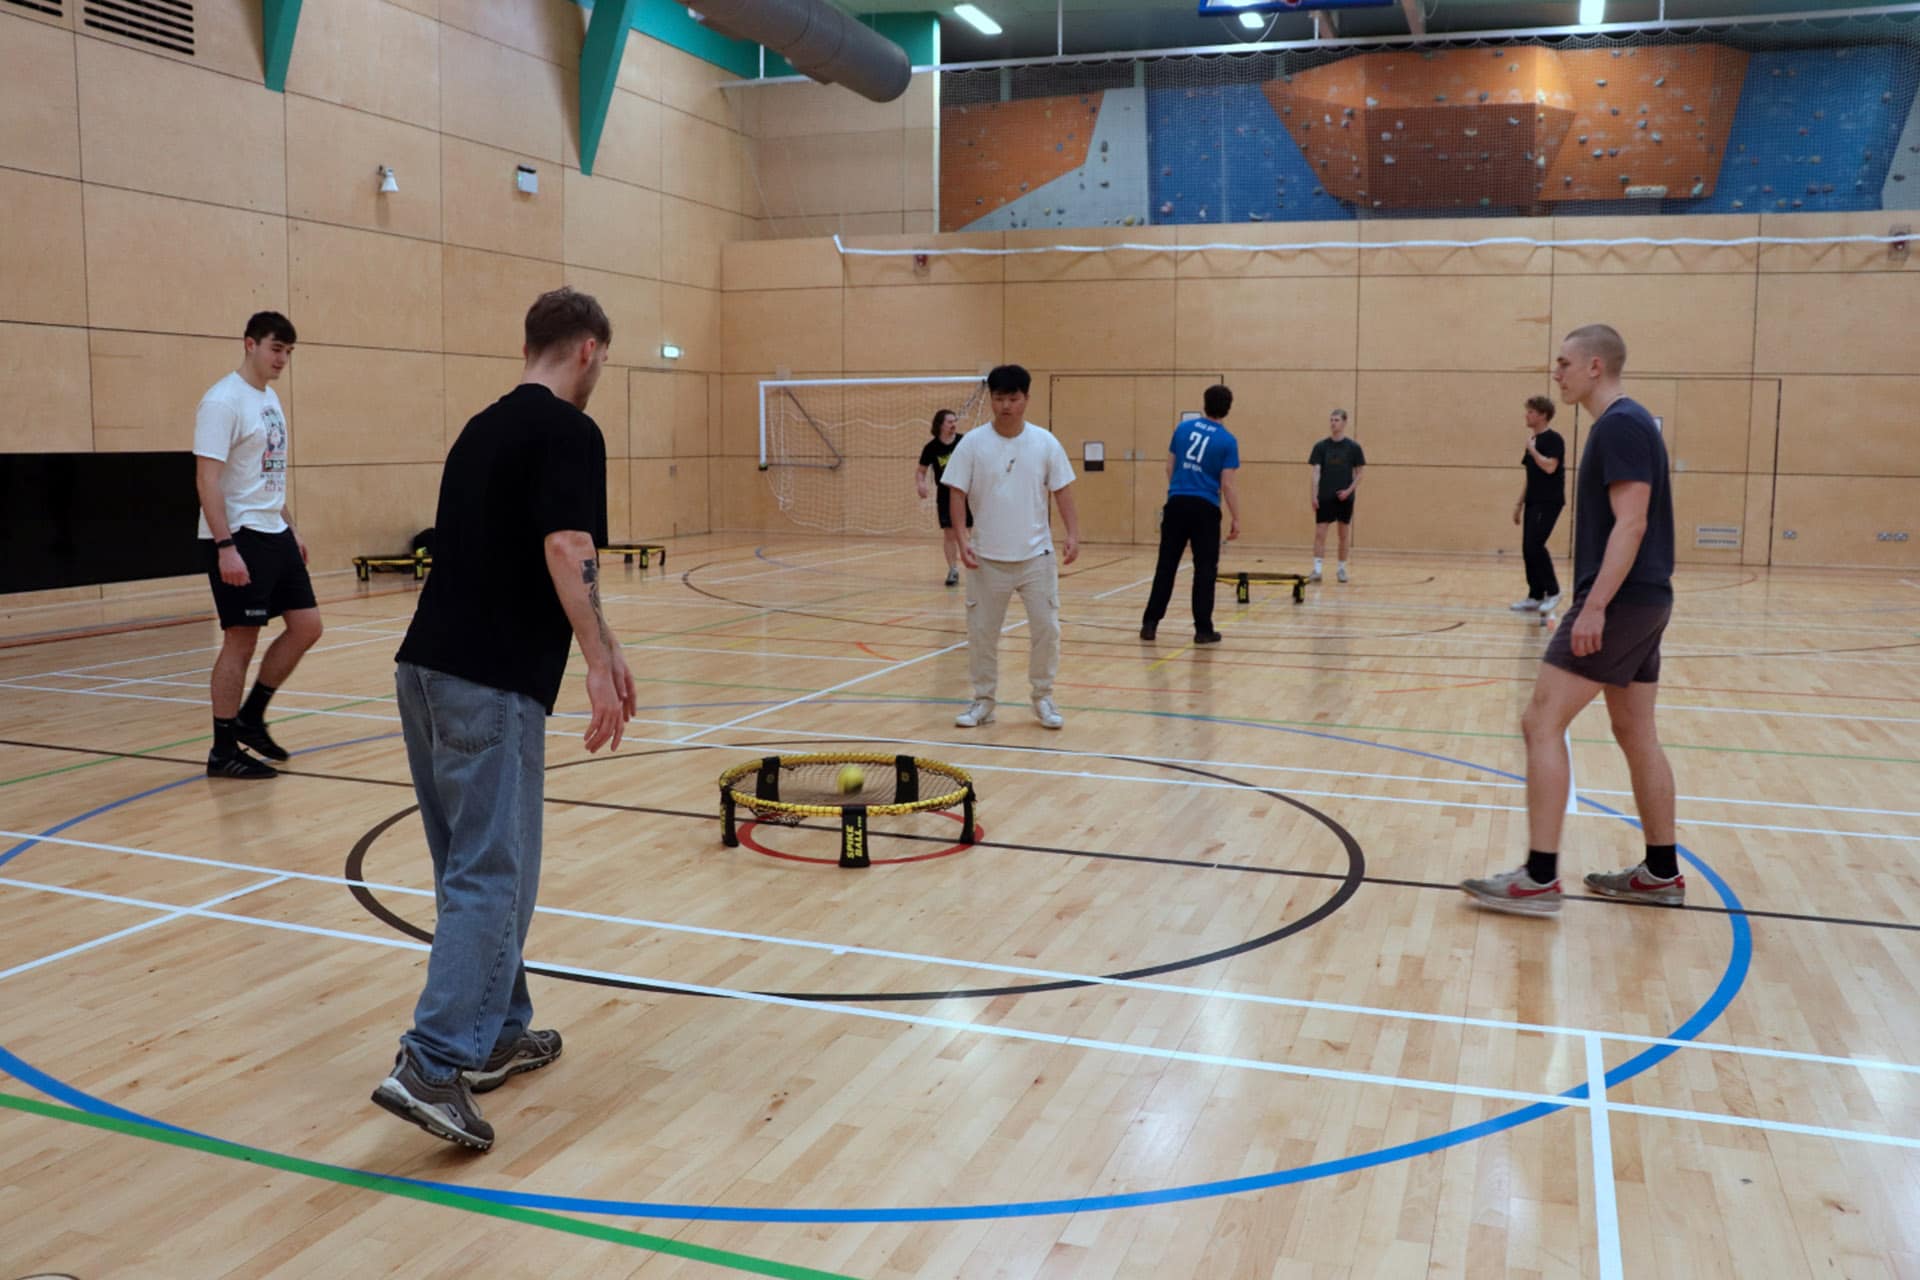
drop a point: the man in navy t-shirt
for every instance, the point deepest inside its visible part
(1609, 641)
(1202, 462)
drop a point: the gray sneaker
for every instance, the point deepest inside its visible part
(1529, 605)
(443, 1110)
(532, 1051)
(1047, 714)
(1515, 891)
(979, 713)
(1637, 884)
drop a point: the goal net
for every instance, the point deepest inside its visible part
(840, 453)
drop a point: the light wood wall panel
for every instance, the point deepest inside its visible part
(170, 266)
(696, 234)
(774, 264)
(701, 161)
(42, 250)
(832, 173)
(782, 329)
(1836, 517)
(689, 478)
(333, 159)
(1711, 424)
(1841, 323)
(1236, 263)
(39, 100)
(1123, 324)
(1458, 419)
(690, 319)
(610, 410)
(551, 30)
(1671, 323)
(653, 509)
(503, 97)
(1115, 264)
(1876, 258)
(613, 226)
(652, 413)
(44, 395)
(471, 384)
(144, 125)
(934, 329)
(147, 386)
(1481, 260)
(485, 298)
(485, 209)
(1866, 426)
(372, 56)
(364, 289)
(356, 510)
(1644, 260)
(1699, 499)
(633, 308)
(1464, 322)
(630, 140)
(359, 405)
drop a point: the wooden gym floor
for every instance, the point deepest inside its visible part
(1203, 1004)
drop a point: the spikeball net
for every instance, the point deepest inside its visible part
(789, 789)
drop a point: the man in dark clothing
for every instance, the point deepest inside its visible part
(1609, 641)
(523, 511)
(1334, 469)
(1539, 507)
(1202, 462)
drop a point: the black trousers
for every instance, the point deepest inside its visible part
(1536, 526)
(1186, 519)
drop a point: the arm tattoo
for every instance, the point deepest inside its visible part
(590, 574)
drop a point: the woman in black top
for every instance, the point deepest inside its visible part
(946, 434)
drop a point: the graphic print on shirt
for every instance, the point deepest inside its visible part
(273, 459)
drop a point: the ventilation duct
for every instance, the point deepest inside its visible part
(820, 41)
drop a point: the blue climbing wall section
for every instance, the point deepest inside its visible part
(1222, 155)
(1815, 131)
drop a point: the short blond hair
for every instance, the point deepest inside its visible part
(1604, 341)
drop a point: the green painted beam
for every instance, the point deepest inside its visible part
(600, 57)
(281, 19)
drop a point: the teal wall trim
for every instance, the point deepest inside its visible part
(281, 18)
(600, 55)
(917, 33)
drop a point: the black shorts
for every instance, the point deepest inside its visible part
(1332, 509)
(946, 511)
(279, 581)
(1629, 644)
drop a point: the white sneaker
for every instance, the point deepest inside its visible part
(1341, 573)
(1529, 605)
(1315, 575)
(1047, 714)
(981, 712)
(1549, 604)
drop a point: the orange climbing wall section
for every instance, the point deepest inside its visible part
(993, 153)
(1514, 127)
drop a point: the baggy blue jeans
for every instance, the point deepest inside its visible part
(478, 759)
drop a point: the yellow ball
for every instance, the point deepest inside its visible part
(851, 779)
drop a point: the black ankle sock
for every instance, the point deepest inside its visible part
(1543, 868)
(224, 743)
(255, 709)
(1663, 861)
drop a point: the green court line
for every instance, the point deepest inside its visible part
(89, 764)
(413, 1191)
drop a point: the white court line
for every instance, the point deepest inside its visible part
(816, 565)
(181, 653)
(217, 900)
(1001, 1031)
(1136, 582)
(1606, 1209)
(1025, 971)
(1206, 784)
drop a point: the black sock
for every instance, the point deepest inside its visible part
(1543, 868)
(1663, 861)
(223, 739)
(255, 709)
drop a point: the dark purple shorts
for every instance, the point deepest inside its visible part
(1629, 646)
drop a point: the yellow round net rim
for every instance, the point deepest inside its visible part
(748, 800)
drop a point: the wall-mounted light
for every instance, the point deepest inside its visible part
(670, 352)
(525, 178)
(979, 21)
(388, 183)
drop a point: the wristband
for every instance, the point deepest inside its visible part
(223, 542)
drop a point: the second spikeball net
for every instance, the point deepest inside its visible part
(849, 785)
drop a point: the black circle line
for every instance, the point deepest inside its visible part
(1349, 884)
(1754, 913)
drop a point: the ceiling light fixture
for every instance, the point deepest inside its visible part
(979, 21)
(1251, 21)
(1593, 12)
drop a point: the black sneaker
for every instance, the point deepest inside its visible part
(1207, 637)
(443, 1110)
(237, 764)
(532, 1051)
(1149, 631)
(255, 736)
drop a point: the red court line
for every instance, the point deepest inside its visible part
(1442, 688)
(862, 644)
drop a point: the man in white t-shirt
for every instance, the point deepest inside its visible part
(1006, 476)
(255, 561)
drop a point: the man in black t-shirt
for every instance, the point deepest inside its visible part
(1609, 641)
(1539, 507)
(1334, 475)
(516, 577)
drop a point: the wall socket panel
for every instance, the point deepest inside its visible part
(1891, 535)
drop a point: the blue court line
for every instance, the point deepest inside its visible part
(1731, 980)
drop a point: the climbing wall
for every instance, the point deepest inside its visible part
(1074, 161)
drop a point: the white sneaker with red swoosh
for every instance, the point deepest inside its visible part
(1638, 885)
(1515, 891)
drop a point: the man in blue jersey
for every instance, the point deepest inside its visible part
(1202, 462)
